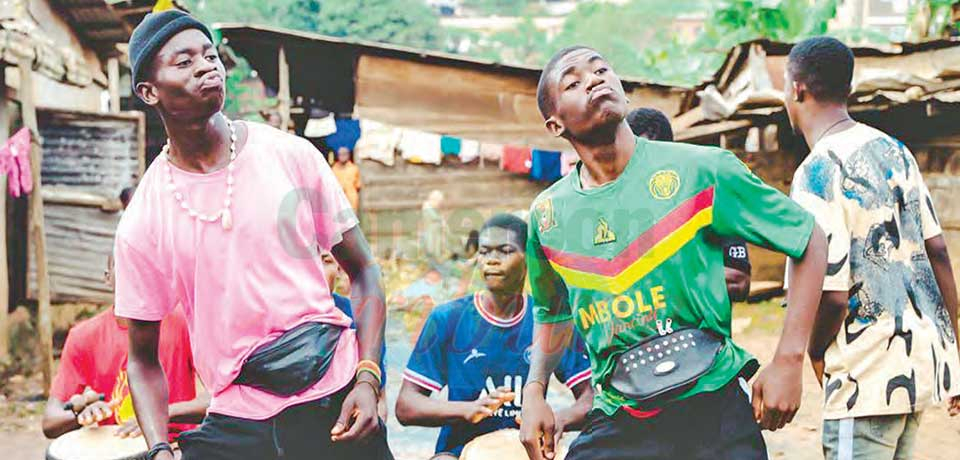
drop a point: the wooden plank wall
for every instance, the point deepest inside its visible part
(89, 155)
(392, 197)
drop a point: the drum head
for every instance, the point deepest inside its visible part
(96, 443)
(505, 445)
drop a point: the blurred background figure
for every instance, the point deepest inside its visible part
(348, 175)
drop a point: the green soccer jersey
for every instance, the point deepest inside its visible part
(621, 258)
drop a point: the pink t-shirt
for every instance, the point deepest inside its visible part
(243, 287)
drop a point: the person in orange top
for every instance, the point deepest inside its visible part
(348, 174)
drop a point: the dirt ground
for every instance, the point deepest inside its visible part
(20, 436)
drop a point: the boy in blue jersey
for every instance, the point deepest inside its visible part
(479, 347)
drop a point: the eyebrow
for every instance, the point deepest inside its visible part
(572, 67)
(188, 49)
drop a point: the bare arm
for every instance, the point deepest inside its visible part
(777, 391)
(829, 320)
(192, 411)
(572, 418)
(943, 272)
(416, 407)
(353, 255)
(358, 416)
(539, 424)
(738, 284)
(57, 420)
(148, 383)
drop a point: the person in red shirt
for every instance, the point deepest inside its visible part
(94, 361)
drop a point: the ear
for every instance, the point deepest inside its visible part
(147, 92)
(555, 126)
(799, 91)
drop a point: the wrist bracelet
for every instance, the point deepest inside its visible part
(370, 367)
(376, 390)
(157, 448)
(544, 385)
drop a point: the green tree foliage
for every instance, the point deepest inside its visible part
(498, 7)
(403, 22)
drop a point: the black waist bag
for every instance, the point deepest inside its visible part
(664, 366)
(293, 362)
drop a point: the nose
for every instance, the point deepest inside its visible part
(594, 81)
(204, 67)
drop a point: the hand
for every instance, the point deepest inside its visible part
(358, 416)
(954, 406)
(95, 413)
(129, 429)
(818, 367)
(485, 406)
(164, 455)
(776, 393)
(538, 427)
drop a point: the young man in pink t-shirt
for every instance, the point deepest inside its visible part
(227, 221)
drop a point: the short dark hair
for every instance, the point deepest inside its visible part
(509, 222)
(825, 66)
(650, 123)
(126, 195)
(545, 100)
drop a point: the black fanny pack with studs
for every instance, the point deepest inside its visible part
(665, 365)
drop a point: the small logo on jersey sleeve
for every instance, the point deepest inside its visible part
(545, 220)
(604, 234)
(664, 184)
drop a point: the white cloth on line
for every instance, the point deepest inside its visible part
(377, 142)
(469, 150)
(420, 147)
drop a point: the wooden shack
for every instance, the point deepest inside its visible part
(429, 91)
(909, 90)
(59, 79)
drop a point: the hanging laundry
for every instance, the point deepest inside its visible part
(347, 134)
(568, 161)
(320, 127)
(16, 163)
(491, 152)
(377, 142)
(516, 159)
(450, 145)
(545, 165)
(469, 150)
(420, 147)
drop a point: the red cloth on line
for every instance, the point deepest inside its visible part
(516, 159)
(15, 163)
(95, 355)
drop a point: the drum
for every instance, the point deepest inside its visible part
(97, 443)
(505, 445)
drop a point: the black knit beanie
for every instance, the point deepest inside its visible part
(154, 32)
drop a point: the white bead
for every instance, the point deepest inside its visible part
(231, 167)
(229, 180)
(171, 187)
(192, 213)
(229, 191)
(227, 202)
(183, 204)
(178, 196)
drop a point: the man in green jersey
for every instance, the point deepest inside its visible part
(621, 247)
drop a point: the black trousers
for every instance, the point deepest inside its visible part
(717, 426)
(300, 432)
